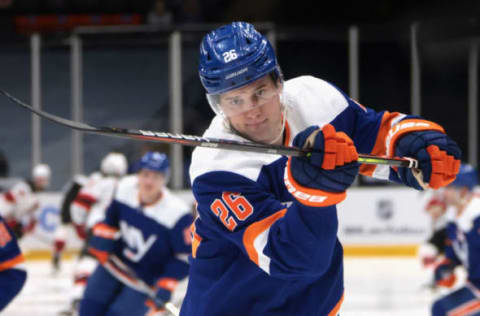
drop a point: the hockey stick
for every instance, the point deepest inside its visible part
(189, 140)
(125, 275)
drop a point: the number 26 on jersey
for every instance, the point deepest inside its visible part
(231, 203)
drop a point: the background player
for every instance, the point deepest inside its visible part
(84, 206)
(434, 247)
(146, 231)
(19, 203)
(12, 272)
(463, 247)
(265, 241)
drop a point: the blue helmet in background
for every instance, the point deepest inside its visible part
(235, 55)
(155, 161)
(466, 177)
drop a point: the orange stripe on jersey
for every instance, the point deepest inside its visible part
(102, 256)
(196, 240)
(12, 262)
(334, 311)
(255, 229)
(465, 309)
(357, 103)
(379, 147)
(288, 134)
(408, 126)
(5, 236)
(104, 231)
(309, 196)
(167, 283)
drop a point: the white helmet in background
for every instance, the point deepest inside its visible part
(41, 174)
(41, 171)
(114, 164)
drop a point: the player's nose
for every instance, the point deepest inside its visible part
(253, 112)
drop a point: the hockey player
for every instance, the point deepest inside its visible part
(265, 241)
(145, 231)
(12, 272)
(19, 203)
(463, 248)
(434, 247)
(84, 205)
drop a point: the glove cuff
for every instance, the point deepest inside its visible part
(407, 126)
(309, 196)
(168, 284)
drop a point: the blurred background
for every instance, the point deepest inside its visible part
(131, 63)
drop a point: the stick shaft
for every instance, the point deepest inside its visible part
(127, 277)
(189, 140)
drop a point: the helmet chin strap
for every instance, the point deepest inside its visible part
(284, 119)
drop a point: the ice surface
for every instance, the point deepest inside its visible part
(373, 287)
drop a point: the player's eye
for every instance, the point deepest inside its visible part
(261, 93)
(236, 101)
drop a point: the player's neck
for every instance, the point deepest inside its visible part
(150, 199)
(463, 202)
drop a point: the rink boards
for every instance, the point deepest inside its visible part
(379, 221)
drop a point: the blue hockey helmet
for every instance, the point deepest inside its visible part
(155, 161)
(233, 56)
(466, 177)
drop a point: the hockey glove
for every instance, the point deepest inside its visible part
(331, 167)
(437, 154)
(162, 295)
(444, 274)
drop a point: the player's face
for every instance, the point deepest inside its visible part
(255, 111)
(41, 183)
(436, 211)
(150, 184)
(454, 195)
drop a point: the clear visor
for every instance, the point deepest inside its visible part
(239, 101)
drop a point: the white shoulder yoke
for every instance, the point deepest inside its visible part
(206, 160)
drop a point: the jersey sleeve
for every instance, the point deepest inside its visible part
(176, 268)
(174, 271)
(475, 240)
(180, 236)
(106, 233)
(291, 242)
(10, 253)
(368, 129)
(82, 205)
(7, 204)
(67, 201)
(376, 133)
(12, 281)
(18, 202)
(449, 251)
(12, 274)
(104, 198)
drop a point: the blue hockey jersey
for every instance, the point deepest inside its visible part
(263, 245)
(149, 239)
(463, 239)
(12, 271)
(10, 254)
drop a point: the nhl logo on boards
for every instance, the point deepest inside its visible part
(385, 209)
